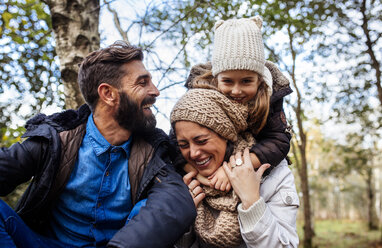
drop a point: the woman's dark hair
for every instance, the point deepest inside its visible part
(228, 150)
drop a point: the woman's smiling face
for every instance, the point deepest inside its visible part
(201, 147)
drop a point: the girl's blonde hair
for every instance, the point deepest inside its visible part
(258, 106)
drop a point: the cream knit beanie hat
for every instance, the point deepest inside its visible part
(238, 45)
(211, 109)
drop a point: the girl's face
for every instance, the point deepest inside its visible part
(201, 147)
(239, 85)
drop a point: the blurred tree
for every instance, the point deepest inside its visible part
(352, 51)
(75, 25)
(28, 72)
(355, 157)
(353, 47)
(339, 191)
(300, 22)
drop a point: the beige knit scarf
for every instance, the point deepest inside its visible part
(217, 222)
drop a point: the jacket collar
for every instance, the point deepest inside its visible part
(41, 125)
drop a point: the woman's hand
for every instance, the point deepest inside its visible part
(219, 180)
(244, 179)
(194, 187)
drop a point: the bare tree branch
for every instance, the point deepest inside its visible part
(170, 85)
(117, 23)
(175, 23)
(172, 62)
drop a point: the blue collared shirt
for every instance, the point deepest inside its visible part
(96, 201)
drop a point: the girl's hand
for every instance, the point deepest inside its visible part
(203, 180)
(194, 188)
(219, 180)
(244, 179)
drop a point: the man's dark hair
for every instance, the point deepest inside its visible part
(104, 66)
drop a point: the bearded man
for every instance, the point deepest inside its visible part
(101, 175)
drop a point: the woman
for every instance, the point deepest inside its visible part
(259, 212)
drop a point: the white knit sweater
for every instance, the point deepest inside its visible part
(269, 222)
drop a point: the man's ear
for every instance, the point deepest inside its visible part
(108, 94)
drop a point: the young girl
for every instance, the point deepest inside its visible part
(240, 72)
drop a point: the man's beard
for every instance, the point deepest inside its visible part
(131, 116)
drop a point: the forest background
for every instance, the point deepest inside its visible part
(331, 52)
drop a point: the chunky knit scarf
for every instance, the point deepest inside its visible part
(217, 222)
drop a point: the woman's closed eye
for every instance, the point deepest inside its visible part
(201, 142)
(182, 145)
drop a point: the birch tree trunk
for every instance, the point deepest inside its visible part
(75, 26)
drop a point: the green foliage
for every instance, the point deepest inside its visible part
(27, 60)
(352, 157)
(9, 136)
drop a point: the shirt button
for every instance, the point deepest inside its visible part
(98, 205)
(107, 173)
(289, 199)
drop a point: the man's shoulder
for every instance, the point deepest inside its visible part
(62, 121)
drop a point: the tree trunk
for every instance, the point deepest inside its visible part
(75, 26)
(308, 227)
(369, 43)
(303, 170)
(372, 215)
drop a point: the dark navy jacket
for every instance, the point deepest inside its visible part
(48, 155)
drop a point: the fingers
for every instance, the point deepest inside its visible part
(261, 170)
(247, 157)
(188, 177)
(218, 184)
(198, 198)
(238, 156)
(228, 187)
(227, 169)
(232, 161)
(213, 182)
(212, 176)
(196, 192)
(223, 186)
(193, 184)
(203, 180)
